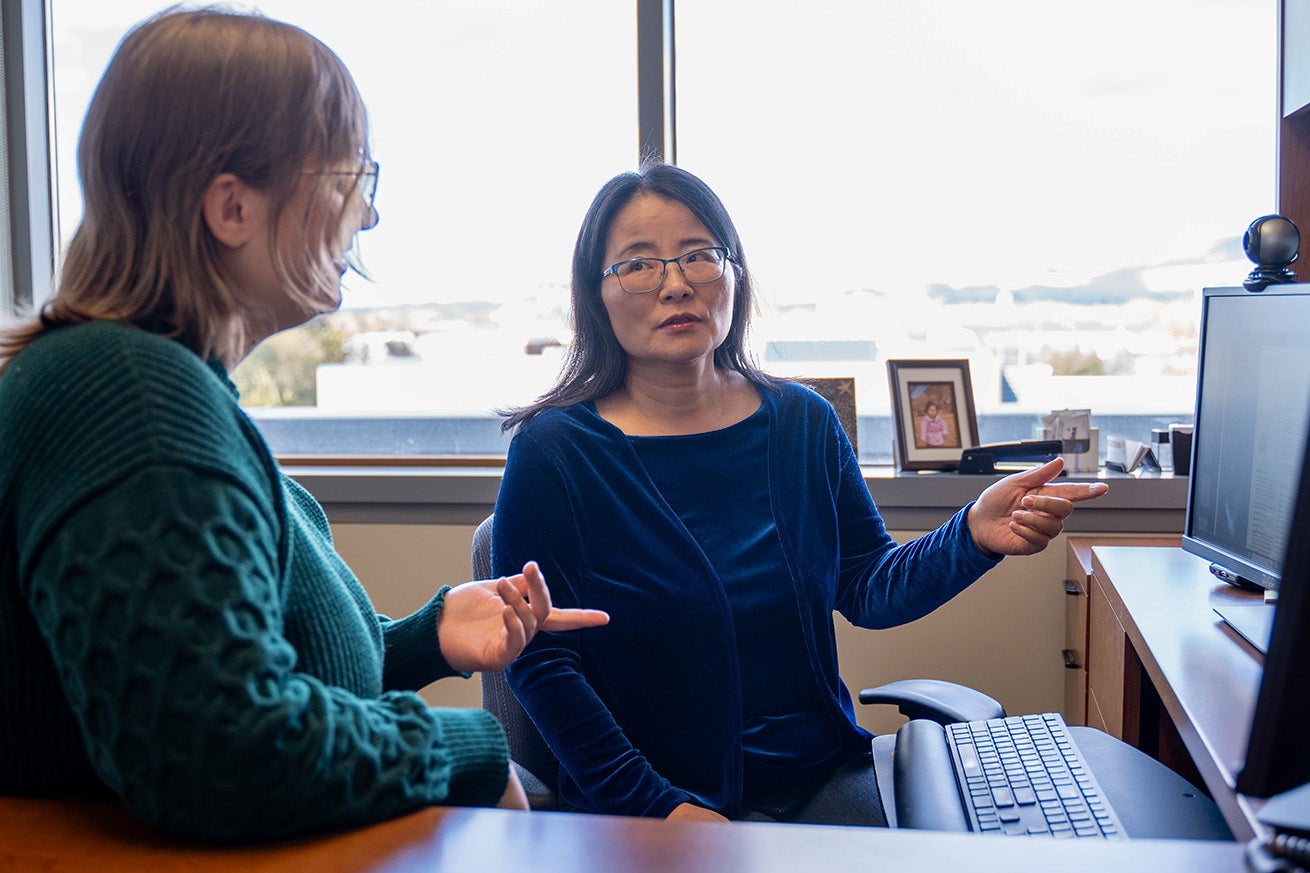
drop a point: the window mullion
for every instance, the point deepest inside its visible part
(656, 91)
(29, 204)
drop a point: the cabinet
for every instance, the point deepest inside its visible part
(1100, 706)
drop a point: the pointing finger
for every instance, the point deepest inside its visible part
(573, 619)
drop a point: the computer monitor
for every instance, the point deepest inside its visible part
(1278, 751)
(1252, 411)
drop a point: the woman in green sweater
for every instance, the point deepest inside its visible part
(175, 624)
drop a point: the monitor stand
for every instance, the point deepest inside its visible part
(1234, 579)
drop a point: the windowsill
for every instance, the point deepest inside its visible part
(1146, 503)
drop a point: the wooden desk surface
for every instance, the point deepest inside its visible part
(63, 836)
(1206, 675)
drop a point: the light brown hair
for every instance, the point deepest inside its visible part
(188, 95)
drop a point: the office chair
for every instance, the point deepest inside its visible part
(538, 769)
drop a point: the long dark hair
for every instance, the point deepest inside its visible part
(596, 364)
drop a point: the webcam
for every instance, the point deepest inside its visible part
(1271, 243)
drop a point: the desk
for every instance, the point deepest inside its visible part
(1155, 646)
(65, 836)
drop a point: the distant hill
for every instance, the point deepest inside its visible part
(1117, 286)
(473, 311)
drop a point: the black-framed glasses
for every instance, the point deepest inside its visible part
(644, 275)
(366, 179)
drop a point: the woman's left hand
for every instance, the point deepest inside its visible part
(486, 624)
(1023, 512)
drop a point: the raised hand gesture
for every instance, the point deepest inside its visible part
(1023, 512)
(486, 624)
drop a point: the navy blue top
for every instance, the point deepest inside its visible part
(718, 484)
(651, 711)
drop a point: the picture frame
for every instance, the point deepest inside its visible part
(840, 392)
(932, 439)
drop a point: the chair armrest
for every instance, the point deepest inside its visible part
(935, 699)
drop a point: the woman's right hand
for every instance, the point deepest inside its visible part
(514, 797)
(692, 812)
(486, 624)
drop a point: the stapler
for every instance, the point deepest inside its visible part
(1008, 457)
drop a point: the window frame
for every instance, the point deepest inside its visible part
(29, 169)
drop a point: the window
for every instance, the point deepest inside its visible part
(494, 123)
(1042, 190)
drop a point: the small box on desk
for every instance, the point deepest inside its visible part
(1086, 461)
(1180, 437)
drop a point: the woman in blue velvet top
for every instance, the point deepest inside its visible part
(719, 516)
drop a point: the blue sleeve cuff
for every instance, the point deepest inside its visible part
(988, 559)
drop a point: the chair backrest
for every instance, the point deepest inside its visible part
(526, 747)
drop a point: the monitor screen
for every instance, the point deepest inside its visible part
(1278, 751)
(1252, 409)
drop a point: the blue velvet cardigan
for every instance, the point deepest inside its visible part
(645, 713)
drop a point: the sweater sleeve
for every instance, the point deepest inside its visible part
(883, 584)
(159, 600)
(534, 521)
(414, 658)
(413, 651)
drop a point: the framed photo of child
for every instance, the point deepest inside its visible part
(933, 405)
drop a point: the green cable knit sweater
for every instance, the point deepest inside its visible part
(176, 626)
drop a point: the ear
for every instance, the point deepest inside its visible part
(230, 210)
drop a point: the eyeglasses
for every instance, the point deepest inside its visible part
(366, 179)
(643, 275)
